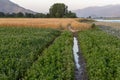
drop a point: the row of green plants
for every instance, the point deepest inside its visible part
(102, 54)
(20, 47)
(56, 62)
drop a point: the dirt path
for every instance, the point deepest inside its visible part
(72, 30)
(80, 69)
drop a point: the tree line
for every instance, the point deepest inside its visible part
(23, 15)
(57, 10)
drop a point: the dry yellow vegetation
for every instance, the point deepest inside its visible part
(111, 24)
(59, 23)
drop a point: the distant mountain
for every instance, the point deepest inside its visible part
(104, 11)
(7, 6)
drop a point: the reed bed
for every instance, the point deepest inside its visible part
(44, 23)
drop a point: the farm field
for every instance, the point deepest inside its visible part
(102, 53)
(56, 63)
(59, 40)
(56, 23)
(42, 49)
(20, 47)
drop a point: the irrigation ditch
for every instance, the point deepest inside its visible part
(80, 65)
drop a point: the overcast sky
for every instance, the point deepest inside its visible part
(44, 5)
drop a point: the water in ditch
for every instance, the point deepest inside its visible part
(75, 53)
(80, 71)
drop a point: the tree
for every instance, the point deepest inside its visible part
(40, 15)
(20, 14)
(29, 15)
(70, 15)
(2, 14)
(58, 10)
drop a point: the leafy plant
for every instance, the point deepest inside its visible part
(56, 62)
(102, 54)
(20, 47)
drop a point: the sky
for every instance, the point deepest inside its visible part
(44, 5)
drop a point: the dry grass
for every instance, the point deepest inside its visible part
(111, 24)
(44, 23)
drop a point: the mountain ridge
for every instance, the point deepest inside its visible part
(99, 11)
(8, 6)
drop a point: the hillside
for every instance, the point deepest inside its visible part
(104, 11)
(7, 6)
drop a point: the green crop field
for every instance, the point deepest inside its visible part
(20, 47)
(56, 63)
(49, 41)
(47, 54)
(102, 54)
